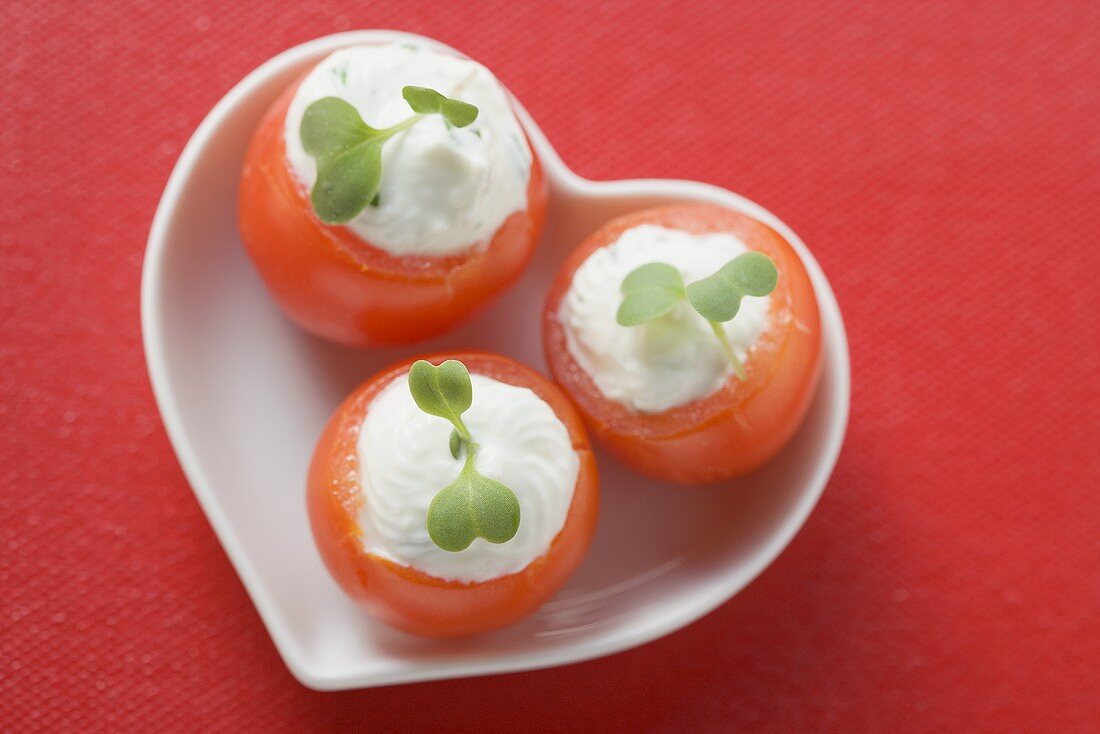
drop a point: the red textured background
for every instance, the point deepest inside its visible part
(941, 159)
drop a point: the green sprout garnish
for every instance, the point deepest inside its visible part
(349, 151)
(652, 290)
(473, 505)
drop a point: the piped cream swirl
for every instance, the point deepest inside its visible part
(404, 461)
(670, 361)
(443, 189)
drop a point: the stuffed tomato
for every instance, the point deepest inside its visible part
(389, 193)
(689, 338)
(454, 495)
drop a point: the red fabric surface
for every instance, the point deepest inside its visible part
(941, 159)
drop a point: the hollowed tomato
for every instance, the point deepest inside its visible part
(407, 598)
(335, 285)
(745, 422)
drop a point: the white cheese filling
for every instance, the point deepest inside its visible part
(443, 189)
(404, 461)
(667, 362)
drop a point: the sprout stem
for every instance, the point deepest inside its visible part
(403, 125)
(720, 332)
(471, 451)
(463, 431)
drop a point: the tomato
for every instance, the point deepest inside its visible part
(337, 286)
(744, 423)
(410, 599)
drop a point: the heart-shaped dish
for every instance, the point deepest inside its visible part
(244, 395)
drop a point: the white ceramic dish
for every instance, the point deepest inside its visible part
(244, 395)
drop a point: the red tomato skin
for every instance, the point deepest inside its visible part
(335, 285)
(411, 600)
(742, 425)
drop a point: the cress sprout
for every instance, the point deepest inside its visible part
(349, 152)
(652, 290)
(473, 505)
